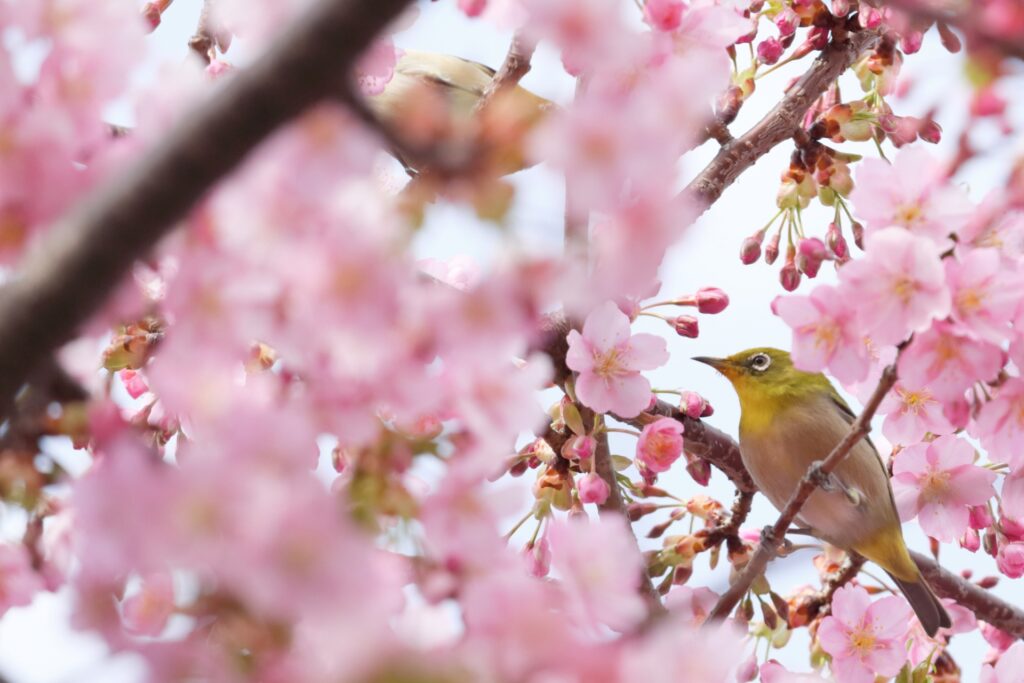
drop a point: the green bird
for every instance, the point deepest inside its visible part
(790, 419)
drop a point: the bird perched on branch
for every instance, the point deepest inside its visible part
(434, 99)
(791, 419)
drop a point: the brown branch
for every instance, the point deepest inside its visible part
(85, 255)
(730, 528)
(985, 606)
(968, 21)
(773, 536)
(779, 124)
(513, 69)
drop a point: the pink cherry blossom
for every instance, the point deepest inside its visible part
(664, 15)
(912, 193)
(1012, 496)
(1010, 559)
(583, 29)
(147, 611)
(609, 360)
(600, 568)
(1009, 667)
(948, 359)
(985, 296)
(773, 672)
(825, 333)
(865, 638)
(897, 288)
(999, 425)
(19, 582)
(938, 482)
(910, 414)
(593, 489)
(660, 444)
(693, 605)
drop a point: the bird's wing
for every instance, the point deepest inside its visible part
(849, 416)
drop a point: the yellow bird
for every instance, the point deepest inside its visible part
(790, 419)
(435, 96)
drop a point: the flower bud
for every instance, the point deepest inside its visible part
(858, 234)
(748, 670)
(711, 300)
(698, 469)
(1010, 559)
(930, 131)
(769, 50)
(980, 517)
(694, 405)
(593, 489)
(910, 41)
(970, 541)
(787, 21)
(519, 468)
(771, 252)
(950, 40)
(989, 543)
(538, 556)
(1013, 529)
(871, 17)
(789, 276)
(637, 510)
(750, 250)
(810, 253)
(664, 15)
(841, 8)
(988, 582)
(685, 326)
(836, 242)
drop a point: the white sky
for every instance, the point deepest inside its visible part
(36, 646)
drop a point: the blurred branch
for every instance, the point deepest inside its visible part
(985, 606)
(779, 124)
(86, 254)
(512, 70)
(968, 20)
(773, 536)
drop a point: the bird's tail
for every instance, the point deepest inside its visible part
(929, 610)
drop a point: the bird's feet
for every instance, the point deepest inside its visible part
(827, 481)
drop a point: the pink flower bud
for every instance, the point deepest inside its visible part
(871, 17)
(579, 448)
(593, 489)
(841, 8)
(987, 102)
(1013, 529)
(748, 670)
(970, 541)
(818, 37)
(769, 50)
(134, 383)
(810, 253)
(1010, 559)
(789, 276)
(858, 234)
(660, 444)
(711, 300)
(836, 242)
(999, 639)
(771, 252)
(750, 250)
(930, 131)
(664, 15)
(685, 326)
(911, 41)
(787, 21)
(472, 8)
(698, 469)
(980, 517)
(151, 13)
(694, 405)
(989, 543)
(950, 40)
(539, 557)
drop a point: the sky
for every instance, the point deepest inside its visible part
(37, 646)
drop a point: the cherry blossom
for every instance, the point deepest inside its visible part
(19, 582)
(147, 611)
(1007, 669)
(865, 639)
(999, 424)
(910, 414)
(609, 359)
(660, 444)
(825, 334)
(593, 489)
(900, 286)
(985, 297)
(948, 359)
(938, 482)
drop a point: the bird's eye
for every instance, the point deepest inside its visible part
(760, 362)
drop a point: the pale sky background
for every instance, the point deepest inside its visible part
(37, 645)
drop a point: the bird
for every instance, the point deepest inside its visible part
(435, 96)
(790, 419)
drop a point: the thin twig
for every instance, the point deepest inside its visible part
(772, 536)
(513, 69)
(85, 255)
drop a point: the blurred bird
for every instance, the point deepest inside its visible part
(790, 419)
(434, 98)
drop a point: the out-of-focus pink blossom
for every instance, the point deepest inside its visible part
(999, 425)
(769, 50)
(593, 489)
(898, 287)
(1009, 667)
(948, 359)
(377, 67)
(472, 8)
(1012, 496)
(664, 15)
(693, 605)
(913, 193)
(600, 568)
(19, 582)
(825, 333)
(660, 444)
(910, 414)
(609, 360)
(582, 29)
(865, 639)
(938, 482)
(773, 672)
(147, 611)
(1010, 559)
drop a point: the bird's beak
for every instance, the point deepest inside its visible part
(720, 364)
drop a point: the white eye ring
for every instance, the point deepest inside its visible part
(760, 362)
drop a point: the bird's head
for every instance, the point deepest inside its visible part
(764, 372)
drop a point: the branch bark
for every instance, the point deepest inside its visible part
(773, 536)
(77, 265)
(985, 606)
(513, 69)
(779, 124)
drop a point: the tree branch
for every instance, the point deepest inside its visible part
(985, 606)
(75, 268)
(513, 69)
(773, 536)
(779, 124)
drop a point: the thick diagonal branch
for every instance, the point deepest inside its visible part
(86, 254)
(779, 124)
(772, 537)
